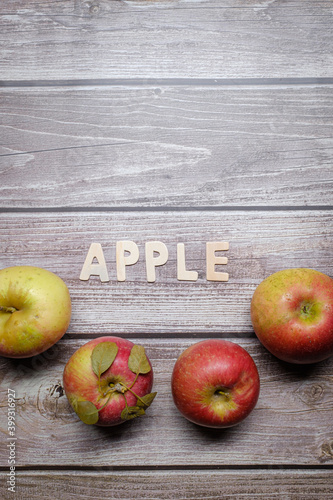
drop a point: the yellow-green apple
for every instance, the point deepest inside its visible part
(108, 380)
(292, 315)
(215, 383)
(35, 310)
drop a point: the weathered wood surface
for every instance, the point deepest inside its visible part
(165, 39)
(166, 145)
(260, 244)
(288, 425)
(188, 121)
(180, 485)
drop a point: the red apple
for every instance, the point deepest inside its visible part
(215, 383)
(292, 315)
(108, 381)
(35, 310)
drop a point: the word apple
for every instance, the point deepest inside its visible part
(35, 310)
(156, 254)
(108, 381)
(292, 315)
(215, 383)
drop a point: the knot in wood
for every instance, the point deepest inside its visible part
(51, 404)
(94, 8)
(310, 393)
(327, 451)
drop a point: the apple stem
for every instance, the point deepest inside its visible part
(122, 388)
(116, 388)
(224, 393)
(138, 397)
(7, 309)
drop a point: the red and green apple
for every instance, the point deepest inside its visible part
(108, 381)
(215, 383)
(292, 315)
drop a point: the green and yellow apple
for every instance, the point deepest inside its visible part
(292, 315)
(215, 383)
(35, 310)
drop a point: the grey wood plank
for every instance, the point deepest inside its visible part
(171, 485)
(233, 39)
(156, 146)
(260, 244)
(291, 424)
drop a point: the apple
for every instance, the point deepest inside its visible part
(108, 381)
(215, 383)
(292, 315)
(35, 310)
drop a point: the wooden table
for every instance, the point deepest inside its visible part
(178, 121)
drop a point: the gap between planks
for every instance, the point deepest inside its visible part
(135, 82)
(198, 208)
(174, 468)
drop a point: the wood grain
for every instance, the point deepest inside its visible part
(186, 121)
(155, 146)
(288, 425)
(260, 244)
(180, 485)
(165, 39)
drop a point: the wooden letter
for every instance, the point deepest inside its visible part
(212, 260)
(125, 260)
(151, 261)
(182, 273)
(95, 252)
